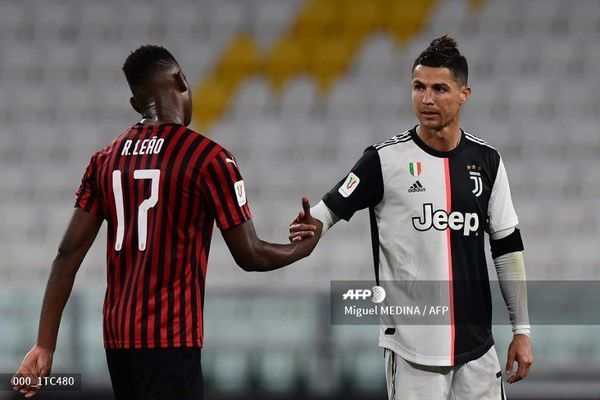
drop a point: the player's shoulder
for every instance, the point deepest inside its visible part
(479, 143)
(404, 137)
(215, 152)
(482, 150)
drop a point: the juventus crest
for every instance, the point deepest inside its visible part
(475, 176)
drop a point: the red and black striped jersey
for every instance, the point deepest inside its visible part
(160, 189)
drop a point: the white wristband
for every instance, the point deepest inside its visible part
(324, 214)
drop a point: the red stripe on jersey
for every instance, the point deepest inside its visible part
(114, 277)
(449, 245)
(183, 293)
(152, 289)
(122, 263)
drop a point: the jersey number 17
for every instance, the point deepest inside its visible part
(154, 175)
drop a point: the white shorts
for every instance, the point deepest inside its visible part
(479, 379)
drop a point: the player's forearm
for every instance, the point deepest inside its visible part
(325, 215)
(507, 252)
(513, 284)
(58, 290)
(271, 256)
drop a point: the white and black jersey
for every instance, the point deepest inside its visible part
(429, 211)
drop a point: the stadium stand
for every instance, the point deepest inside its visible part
(296, 90)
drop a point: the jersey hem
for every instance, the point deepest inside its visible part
(444, 361)
(237, 222)
(140, 345)
(503, 227)
(408, 355)
(337, 212)
(96, 213)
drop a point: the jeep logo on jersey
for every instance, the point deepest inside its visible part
(349, 185)
(441, 220)
(415, 168)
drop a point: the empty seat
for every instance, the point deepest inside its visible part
(299, 99)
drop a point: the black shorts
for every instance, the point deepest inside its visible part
(155, 374)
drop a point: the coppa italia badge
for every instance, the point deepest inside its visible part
(349, 185)
(415, 168)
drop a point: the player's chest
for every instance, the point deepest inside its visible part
(435, 187)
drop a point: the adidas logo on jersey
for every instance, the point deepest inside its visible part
(416, 187)
(441, 220)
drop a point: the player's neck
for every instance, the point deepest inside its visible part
(151, 120)
(445, 139)
(157, 113)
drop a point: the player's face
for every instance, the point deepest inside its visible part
(437, 97)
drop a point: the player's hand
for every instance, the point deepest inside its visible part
(37, 363)
(304, 226)
(519, 351)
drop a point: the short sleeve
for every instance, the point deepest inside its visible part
(226, 191)
(88, 194)
(361, 188)
(501, 212)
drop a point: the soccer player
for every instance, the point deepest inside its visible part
(160, 186)
(432, 192)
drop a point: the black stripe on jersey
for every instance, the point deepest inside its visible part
(205, 233)
(148, 256)
(135, 254)
(182, 171)
(110, 318)
(163, 242)
(374, 242)
(220, 194)
(477, 140)
(471, 287)
(392, 140)
(174, 240)
(148, 265)
(403, 140)
(88, 206)
(126, 265)
(232, 193)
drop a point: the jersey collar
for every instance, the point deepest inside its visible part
(434, 152)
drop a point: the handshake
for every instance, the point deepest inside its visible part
(305, 226)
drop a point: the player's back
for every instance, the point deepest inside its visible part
(160, 188)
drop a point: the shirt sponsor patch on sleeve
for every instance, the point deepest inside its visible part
(240, 192)
(349, 185)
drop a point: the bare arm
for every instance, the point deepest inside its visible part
(76, 242)
(78, 238)
(253, 254)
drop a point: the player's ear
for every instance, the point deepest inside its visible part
(134, 104)
(181, 82)
(465, 93)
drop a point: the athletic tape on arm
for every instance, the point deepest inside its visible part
(324, 214)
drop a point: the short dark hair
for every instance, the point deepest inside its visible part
(443, 53)
(143, 63)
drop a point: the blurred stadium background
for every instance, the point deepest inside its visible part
(296, 89)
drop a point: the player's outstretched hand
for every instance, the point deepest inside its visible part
(519, 351)
(36, 364)
(304, 226)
